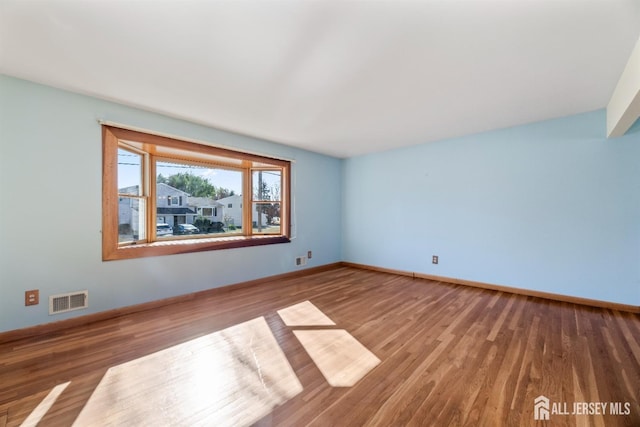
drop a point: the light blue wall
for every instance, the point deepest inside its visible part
(51, 202)
(552, 206)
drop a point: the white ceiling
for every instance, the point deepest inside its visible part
(337, 77)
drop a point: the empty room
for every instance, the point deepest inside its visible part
(319, 213)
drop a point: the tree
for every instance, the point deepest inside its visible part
(195, 185)
(262, 191)
(221, 193)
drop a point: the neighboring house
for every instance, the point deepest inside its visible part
(177, 207)
(207, 208)
(232, 206)
(128, 212)
(173, 206)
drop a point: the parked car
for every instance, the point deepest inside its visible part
(186, 229)
(163, 229)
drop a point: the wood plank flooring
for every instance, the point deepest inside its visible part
(450, 355)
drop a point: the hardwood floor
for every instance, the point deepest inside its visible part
(449, 355)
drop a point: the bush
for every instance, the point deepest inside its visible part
(203, 224)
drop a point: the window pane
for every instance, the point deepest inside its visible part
(129, 172)
(197, 200)
(266, 218)
(266, 185)
(131, 220)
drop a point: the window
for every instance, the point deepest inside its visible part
(209, 212)
(266, 200)
(151, 180)
(131, 203)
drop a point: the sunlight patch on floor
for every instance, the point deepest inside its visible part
(304, 314)
(340, 357)
(43, 407)
(232, 377)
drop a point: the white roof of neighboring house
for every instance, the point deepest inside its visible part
(200, 202)
(170, 188)
(233, 198)
(129, 189)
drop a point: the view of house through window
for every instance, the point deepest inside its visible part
(191, 199)
(171, 190)
(131, 202)
(266, 200)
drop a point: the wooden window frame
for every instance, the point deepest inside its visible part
(257, 202)
(155, 147)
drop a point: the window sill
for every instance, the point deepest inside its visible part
(172, 247)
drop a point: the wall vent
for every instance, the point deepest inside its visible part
(68, 302)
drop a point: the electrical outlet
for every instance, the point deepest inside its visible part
(32, 297)
(309, 254)
(434, 259)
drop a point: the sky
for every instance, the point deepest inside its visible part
(129, 172)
